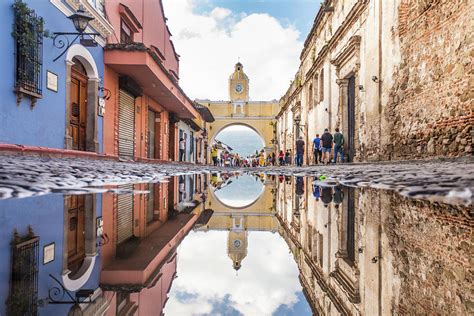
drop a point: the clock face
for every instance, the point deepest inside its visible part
(237, 243)
(239, 88)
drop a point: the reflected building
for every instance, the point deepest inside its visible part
(365, 252)
(143, 233)
(49, 247)
(237, 218)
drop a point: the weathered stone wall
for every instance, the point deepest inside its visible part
(432, 257)
(432, 100)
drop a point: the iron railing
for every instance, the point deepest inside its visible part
(28, 30)
(23, 298)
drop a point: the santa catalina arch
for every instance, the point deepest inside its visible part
(239, 110)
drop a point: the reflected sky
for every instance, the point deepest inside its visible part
(240, 191)
(207, 284)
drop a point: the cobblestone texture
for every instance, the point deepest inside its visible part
(448, 181)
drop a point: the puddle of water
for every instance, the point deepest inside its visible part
(222, 244)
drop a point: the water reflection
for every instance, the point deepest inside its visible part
(234, 244)
(237, 191)
(371, 252)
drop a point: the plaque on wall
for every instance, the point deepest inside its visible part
(51, 81)
(48, 253)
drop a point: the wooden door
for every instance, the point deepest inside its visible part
(78, 107)
(75, 222)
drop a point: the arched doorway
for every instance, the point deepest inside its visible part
(79, 246)
(242, 138)
(82, 94)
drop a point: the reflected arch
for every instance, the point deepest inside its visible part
(254, 198)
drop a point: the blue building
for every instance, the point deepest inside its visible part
(50, 92)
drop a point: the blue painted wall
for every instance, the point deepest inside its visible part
(45, 214)
(43, 125)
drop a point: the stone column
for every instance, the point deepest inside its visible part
(92, 103)
(67, 136)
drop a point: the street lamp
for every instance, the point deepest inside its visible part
(81, 20)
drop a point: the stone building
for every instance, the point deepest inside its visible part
(394, 76)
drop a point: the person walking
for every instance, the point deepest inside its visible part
(281, 158)
(317, 149)
(288, 157)
(326, 139)
(214, 155)
(338, 145)
(182, 148)
(299, 151)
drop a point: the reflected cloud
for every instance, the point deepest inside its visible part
(240, 191)
(207, 282)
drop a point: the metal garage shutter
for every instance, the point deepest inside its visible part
(125, 215)
(126, 124)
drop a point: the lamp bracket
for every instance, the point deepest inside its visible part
(61, 40)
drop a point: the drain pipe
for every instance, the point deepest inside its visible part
(330, 98)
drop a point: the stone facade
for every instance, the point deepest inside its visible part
(431, 103)
(394, 76)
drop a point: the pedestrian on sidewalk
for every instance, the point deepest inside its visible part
(338, 145)
(182, 148)
(299, 151)
(317, 149)
(281, 158)
(288, 157)
(214, 155)
(326, 139)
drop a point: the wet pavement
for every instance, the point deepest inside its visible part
(450, 181)
(367, 239)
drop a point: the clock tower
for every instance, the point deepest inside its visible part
(239, 84)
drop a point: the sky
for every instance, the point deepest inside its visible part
(243, 191)
(212, 35)
(207, 284)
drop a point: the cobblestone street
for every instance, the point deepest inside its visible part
(449, 181)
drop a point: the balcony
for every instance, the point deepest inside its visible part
(145, 67)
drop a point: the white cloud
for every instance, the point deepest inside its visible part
(220, 13)
(211, 43)
(268, 277)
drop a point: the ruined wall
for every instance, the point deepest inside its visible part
(431, 103)
(431, 247)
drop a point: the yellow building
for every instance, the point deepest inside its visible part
(240, 110)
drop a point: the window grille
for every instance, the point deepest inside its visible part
(28, 33)
(23, 298)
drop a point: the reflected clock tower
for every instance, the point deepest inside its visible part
(237, 242)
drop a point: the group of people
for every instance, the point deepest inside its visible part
(326, 145)
(326, 148)
(228, 159)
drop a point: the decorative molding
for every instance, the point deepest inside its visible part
(352, 50)
(99, 24)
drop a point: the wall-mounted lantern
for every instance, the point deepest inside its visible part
(81, 20)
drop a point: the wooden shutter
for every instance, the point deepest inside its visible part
(126, 124)
(125, 214)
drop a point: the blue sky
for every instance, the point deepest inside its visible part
(211, 36)
(299, 13)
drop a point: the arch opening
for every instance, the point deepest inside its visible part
(242, 138)
(240, 192)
